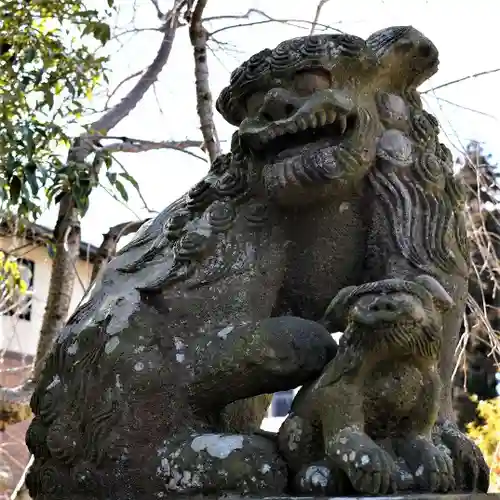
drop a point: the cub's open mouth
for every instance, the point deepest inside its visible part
(303, 133)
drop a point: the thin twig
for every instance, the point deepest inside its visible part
(465, 108)
(297, 23)
(321, 4)
(159, 13)
(125, 80)
(130, 145)
(138, 190)
(459, 80)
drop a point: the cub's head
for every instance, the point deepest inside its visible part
(310, 111)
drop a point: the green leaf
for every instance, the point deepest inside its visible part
(30, 175)
(30, 54)
(101, 31)
(44, 92)
(108, 161)
(130, 179)
(15, 188)
(49, 98)
(121, 189)
(111, 177)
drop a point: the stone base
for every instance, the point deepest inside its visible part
(411, 496)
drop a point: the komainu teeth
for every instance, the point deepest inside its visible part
(342, 120)
(321, 116)
(292, 128)
(330, 116)
(301, 122)
(313, 121)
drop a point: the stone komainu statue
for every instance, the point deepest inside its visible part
(335, 178)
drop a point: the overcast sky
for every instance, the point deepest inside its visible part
(465, 32)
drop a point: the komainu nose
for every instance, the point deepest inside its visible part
(383, 304)
(371, 310)
(279, 104)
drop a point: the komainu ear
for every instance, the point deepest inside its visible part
(439, 295)
(406, 57)
(336, 312)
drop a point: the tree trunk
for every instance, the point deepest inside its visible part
(62, 279)
(204, 106)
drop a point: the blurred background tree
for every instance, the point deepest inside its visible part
(477, 363)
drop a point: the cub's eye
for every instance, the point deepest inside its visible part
(308, 81)
(254, 102)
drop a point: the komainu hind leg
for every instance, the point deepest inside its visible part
(243, 464)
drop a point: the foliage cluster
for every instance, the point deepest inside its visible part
(487, 436)
(49, 66)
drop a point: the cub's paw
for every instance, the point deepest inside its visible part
(471, 470)
(316, 479)
(370, 469)
(432, 468)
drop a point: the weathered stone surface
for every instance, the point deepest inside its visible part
(336, 209)
(422, 496)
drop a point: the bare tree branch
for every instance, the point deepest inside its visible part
(116, 114)
(297, 23)
(321, 4)
(158, 10)
(130, 31)
(465, 108)
(125, 80)
(459, 80)
(129, 145)
(126, 206)
(204, 106)
(110, 240)
(138, 190)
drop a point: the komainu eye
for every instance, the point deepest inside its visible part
(254, 102)
(308, 81)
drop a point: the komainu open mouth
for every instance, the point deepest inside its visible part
(302, 133)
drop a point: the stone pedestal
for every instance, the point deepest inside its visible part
(463, 496)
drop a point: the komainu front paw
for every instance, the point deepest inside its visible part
(432, 468)
(370, 469)
(471, 470)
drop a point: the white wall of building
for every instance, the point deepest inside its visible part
(21, 335)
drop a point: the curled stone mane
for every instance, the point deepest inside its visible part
(422, 199)
(166, 250)
(189, 225)
(268, 67)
